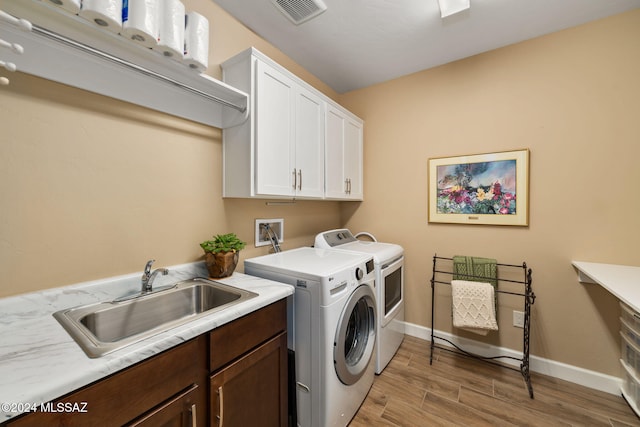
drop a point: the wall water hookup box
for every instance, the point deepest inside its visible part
(263, 236)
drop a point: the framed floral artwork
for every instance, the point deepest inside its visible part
(490, 189)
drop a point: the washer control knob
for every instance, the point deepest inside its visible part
(359, 273)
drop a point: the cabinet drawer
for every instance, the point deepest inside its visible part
(629, 332)
(630, 352)
(125, 395)
(238, 337)
(630, 386)
(630, 317)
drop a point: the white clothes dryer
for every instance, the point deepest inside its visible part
(389, 271)
(331, 328)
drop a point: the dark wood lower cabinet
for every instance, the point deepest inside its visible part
(239, 369)
(124, 396)
(251, 391)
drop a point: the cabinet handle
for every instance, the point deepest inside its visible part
(346, 186)
(304, 387)
(220, 415)
(295, 179)
(300, 179)
(194, 418)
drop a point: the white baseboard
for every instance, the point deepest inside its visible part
(574, 374)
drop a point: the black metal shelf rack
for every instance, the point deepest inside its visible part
(443, 275)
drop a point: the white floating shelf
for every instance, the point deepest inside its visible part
(623, 281)
(150, 79)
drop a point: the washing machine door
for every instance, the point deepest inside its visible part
(355, 336)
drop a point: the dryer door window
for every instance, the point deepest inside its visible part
(356, 336)
(392, 289)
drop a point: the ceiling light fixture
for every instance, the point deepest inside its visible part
(449, 7)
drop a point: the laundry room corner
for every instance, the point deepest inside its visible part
(554, 96)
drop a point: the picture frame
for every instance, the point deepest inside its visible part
(487, 189)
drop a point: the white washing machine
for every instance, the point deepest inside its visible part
(331, 328)
(389, 269)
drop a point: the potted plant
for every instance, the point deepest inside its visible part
(221, 254)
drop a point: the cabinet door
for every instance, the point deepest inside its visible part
(343, 151)
(353, 159)
(252, 391)
(309, 142)
(274, 132)
(335, 184)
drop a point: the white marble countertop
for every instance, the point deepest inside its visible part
(623, 281)
(39, 361)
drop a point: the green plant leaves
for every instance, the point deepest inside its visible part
(223, 243)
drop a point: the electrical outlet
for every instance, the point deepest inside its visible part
(518, 319)
(263, 237)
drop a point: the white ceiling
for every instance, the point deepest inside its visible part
(357, 43)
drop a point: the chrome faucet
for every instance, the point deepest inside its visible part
(148, 276)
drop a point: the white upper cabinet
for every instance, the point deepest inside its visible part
(344, 149)
(279, 151)
(286, 147)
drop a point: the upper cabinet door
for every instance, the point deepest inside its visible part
(353, 159)
(343, 155)
(275, 148)
(336, 186)
(309, 145)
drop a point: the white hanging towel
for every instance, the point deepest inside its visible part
(473, 306)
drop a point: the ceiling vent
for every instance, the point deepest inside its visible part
(299, 11)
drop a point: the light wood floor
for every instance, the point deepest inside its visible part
(458, 391)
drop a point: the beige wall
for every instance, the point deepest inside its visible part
(573, 99)
(91, 187)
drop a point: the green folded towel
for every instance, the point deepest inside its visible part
(477, 269)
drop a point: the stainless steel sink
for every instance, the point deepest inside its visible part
(105, 327)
